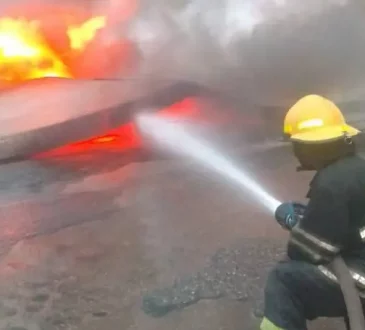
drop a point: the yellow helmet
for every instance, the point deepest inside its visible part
(316, 119)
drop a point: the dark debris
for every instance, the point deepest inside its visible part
(230, 273)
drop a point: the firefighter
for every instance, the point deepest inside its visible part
(303, 287)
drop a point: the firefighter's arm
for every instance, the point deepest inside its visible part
(321, 233)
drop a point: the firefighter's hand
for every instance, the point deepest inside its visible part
(288, 214)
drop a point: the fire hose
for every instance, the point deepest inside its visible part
(288, 215)
(355, 312)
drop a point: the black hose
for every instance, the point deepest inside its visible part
(351, 296)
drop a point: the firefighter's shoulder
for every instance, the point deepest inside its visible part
(341, 174)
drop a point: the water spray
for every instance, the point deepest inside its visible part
(173, 135)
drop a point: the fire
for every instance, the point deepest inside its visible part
(80, 36)
(25, 55)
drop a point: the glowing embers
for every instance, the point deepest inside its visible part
(126, 137)
(24, 54)
(122, 138)
(105, 139)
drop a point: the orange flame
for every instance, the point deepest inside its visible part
(81, 35)
(24, 54)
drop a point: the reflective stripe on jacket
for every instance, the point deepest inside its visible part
(358, 277)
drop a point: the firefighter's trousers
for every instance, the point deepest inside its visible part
(296, 292)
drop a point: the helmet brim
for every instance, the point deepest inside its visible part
(325, 134)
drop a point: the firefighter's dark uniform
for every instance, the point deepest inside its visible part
(304, 287)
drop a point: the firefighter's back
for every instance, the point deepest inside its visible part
(348, 174)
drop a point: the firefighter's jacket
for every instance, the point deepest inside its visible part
(334, 221)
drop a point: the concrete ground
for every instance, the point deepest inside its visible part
(85, 238)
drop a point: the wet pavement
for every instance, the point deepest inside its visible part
(113, 241)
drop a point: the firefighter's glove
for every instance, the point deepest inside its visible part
(289, 214)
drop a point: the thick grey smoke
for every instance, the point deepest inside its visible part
(267, 51)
